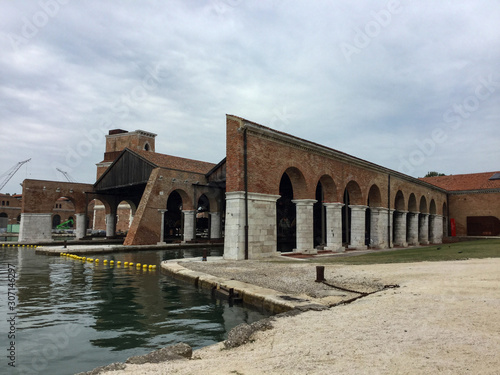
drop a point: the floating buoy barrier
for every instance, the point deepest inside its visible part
(118, 263)
(125, 264)
(138, 265)
(131, 264)
(105, 261)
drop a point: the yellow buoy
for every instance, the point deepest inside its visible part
(131, 264)
(105, 261)
(154, 266)
(118, 263)
(84, 258)
(137, 264)
(125, 264)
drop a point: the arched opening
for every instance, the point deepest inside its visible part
(56, 221)
(146, 147)
(3, 214)
(203, 217)
(172, 223)
(352, 195)
(319, 217)
(285, 216)
(423, 222)
(124, 216)
(399, 206)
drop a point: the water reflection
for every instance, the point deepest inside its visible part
(74, 316)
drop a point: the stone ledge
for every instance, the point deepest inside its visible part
(268, 299)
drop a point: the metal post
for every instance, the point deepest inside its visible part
(320, 274)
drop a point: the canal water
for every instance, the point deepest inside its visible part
(72, 316)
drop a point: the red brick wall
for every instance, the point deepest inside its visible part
(463, 205)
(268, 159)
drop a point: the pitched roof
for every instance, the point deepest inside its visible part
(461, 182)
(175, 162)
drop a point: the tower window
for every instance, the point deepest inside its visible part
(146, 147)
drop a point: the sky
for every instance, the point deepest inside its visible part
(412, 86)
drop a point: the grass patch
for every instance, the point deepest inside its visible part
(456, 251)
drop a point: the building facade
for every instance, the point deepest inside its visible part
(273, 192)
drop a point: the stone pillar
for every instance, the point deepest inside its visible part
(413, 228)
(262, 231)
(35, 227)
(436, 228)
(215, 225)
(378, 227)
(162, 229)
(81, 226)
(358, 227)
(110, 225)
(189, 225)
(305, 225)
(400, 228)
(423, 229)
(334, 226)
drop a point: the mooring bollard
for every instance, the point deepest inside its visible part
(65, 244)
(204, 258)
(320, 274)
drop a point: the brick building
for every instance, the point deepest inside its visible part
(273, 192)
(474, 202)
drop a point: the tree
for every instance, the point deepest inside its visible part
(434, 174)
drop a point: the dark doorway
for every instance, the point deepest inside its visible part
(346, 220)
(285, 216)
(319, 218)
(203, 217)
(172, 229)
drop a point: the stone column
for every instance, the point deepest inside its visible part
(81, 226)
(358, 227)
(262, 231)
(334, 226)
(162, 229)
(189, 226)
(35, 227)
(215, 225)
(305, 225)
(436, 228)
(378, 226)
(110, 225)
(423, 229)
(413, 228)
(400, 228)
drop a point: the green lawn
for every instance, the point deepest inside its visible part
(456, 251)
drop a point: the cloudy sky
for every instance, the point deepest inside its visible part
(413, 86)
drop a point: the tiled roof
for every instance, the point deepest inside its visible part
(461, 182)
(174, 162)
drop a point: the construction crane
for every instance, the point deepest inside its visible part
(66, 174)
(11, 172)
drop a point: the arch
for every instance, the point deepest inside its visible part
(329, 189)
(445, 210)
(286, 215)
(412, 203)
(147, 147)
(423, 205)
(432, 207)
(319, 216)
(56, 220)
(399, 201)
(297, 181)
(374, 197)
(125, 211)
(3, 214)
(172, 224)
(187, 202)
(354, 191)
